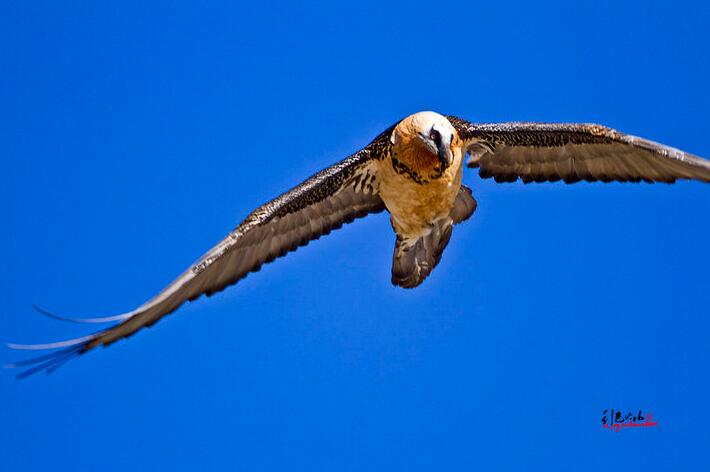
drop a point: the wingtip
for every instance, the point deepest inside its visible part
(103, 319)
(47, 313)
(54, 345)
(48, 362)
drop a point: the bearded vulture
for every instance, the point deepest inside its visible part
(412, 170)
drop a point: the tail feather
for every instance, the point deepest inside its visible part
(413, 261)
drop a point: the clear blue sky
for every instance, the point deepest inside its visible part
(134, 135)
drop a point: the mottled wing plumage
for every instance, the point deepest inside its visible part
(548, 152)
(326, 201)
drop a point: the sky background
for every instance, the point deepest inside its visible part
(135, 135)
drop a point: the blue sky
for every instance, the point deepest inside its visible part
(134, 136)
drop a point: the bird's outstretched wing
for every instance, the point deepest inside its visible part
(332, 197)
(548, 152)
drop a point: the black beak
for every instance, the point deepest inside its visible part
(445, 155)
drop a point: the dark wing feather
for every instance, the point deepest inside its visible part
(547, 152)
(326, 201)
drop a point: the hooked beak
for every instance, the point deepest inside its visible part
(446, 157)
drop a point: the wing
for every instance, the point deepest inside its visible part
(548, 152)
(325, 202)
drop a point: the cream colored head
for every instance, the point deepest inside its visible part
(425, 142)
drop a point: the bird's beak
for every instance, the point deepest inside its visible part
(446, 157)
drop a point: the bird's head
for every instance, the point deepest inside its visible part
(425, 142)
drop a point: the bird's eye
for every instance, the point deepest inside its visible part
(434, 135)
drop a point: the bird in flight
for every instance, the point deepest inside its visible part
(413, 170)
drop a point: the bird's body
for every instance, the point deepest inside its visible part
(413, 207)
(413, 185)
(414, 171)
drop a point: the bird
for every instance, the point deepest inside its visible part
(413, 170)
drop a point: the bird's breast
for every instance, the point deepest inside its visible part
(413, 205)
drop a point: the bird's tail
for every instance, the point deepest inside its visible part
(413, 261)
